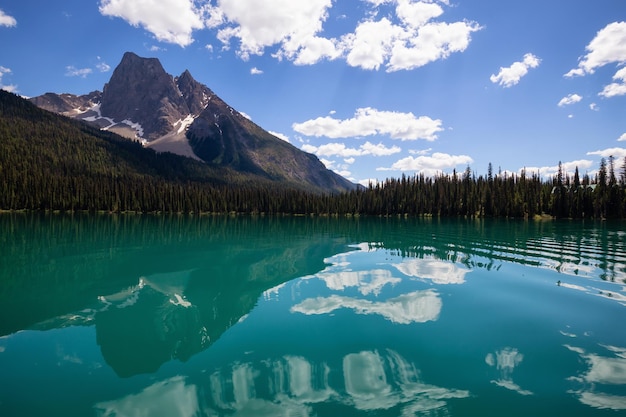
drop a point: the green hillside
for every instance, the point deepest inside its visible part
(50, 162)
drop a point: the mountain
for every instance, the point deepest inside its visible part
(180, 115)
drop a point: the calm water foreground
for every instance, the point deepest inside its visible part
(212, 316)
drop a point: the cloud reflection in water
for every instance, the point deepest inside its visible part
(505, 361)
(604, 380)
(414, 307)
(290, 386)
(437, 271)
(171, 397)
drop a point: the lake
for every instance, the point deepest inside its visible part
(130, 315)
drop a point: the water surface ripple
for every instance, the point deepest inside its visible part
(254, 316)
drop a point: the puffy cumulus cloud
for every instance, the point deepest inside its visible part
(567, 167)
(370, 46)
(339, 168)
(293, 25)
(171, 21)
(509, 76)
(6, 20)
(429, 165)
(368, 121)
(256, 71)
(569, 99)
(617, 153)
(409, 41)
(622, 138)
(277, 134)
(72, 71)
(369, 181)
(431, 42)
(608, 46)
(416, 14)
(406, 38)
(617, 88)
(340, 149)
(7, 87)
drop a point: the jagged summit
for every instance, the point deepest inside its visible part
(180, 115)
(141, 91)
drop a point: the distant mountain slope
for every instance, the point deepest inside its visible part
(180, 115)
(51, 162)
(32, 139)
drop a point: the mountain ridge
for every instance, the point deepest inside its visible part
(183, 116)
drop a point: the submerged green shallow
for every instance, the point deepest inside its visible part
(211, 316)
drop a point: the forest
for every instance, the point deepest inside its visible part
(51, 163)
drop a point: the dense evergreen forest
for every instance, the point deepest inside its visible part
(48, 162)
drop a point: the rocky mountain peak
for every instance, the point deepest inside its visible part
(141, 91)
(196, 95)
(181, 115)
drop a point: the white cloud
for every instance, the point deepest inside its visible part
(293, 25)
(72, 71)
(431, 42)
(378, 150)
(569, 99)
(510, 76)
(103, 66)
(341, 169)
(622, 138)
(9, 87)
(410, 41)
(6, 20)
(617, 153)
(256, 71)
(617, 88)
(280, 136)
(368, 121)
(171, 21)
(608, 46)
(421, 151)
(404, 39)
(567, 167)
(418, 13)
(367, 181)
(340, 149)
(594, 107)
(371, 43)
(429, 165)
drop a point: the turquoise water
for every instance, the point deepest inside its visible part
(219, 316)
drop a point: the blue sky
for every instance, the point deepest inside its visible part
(375, 88)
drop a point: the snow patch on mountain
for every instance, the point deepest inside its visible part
(183, 124)
(134, 125)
